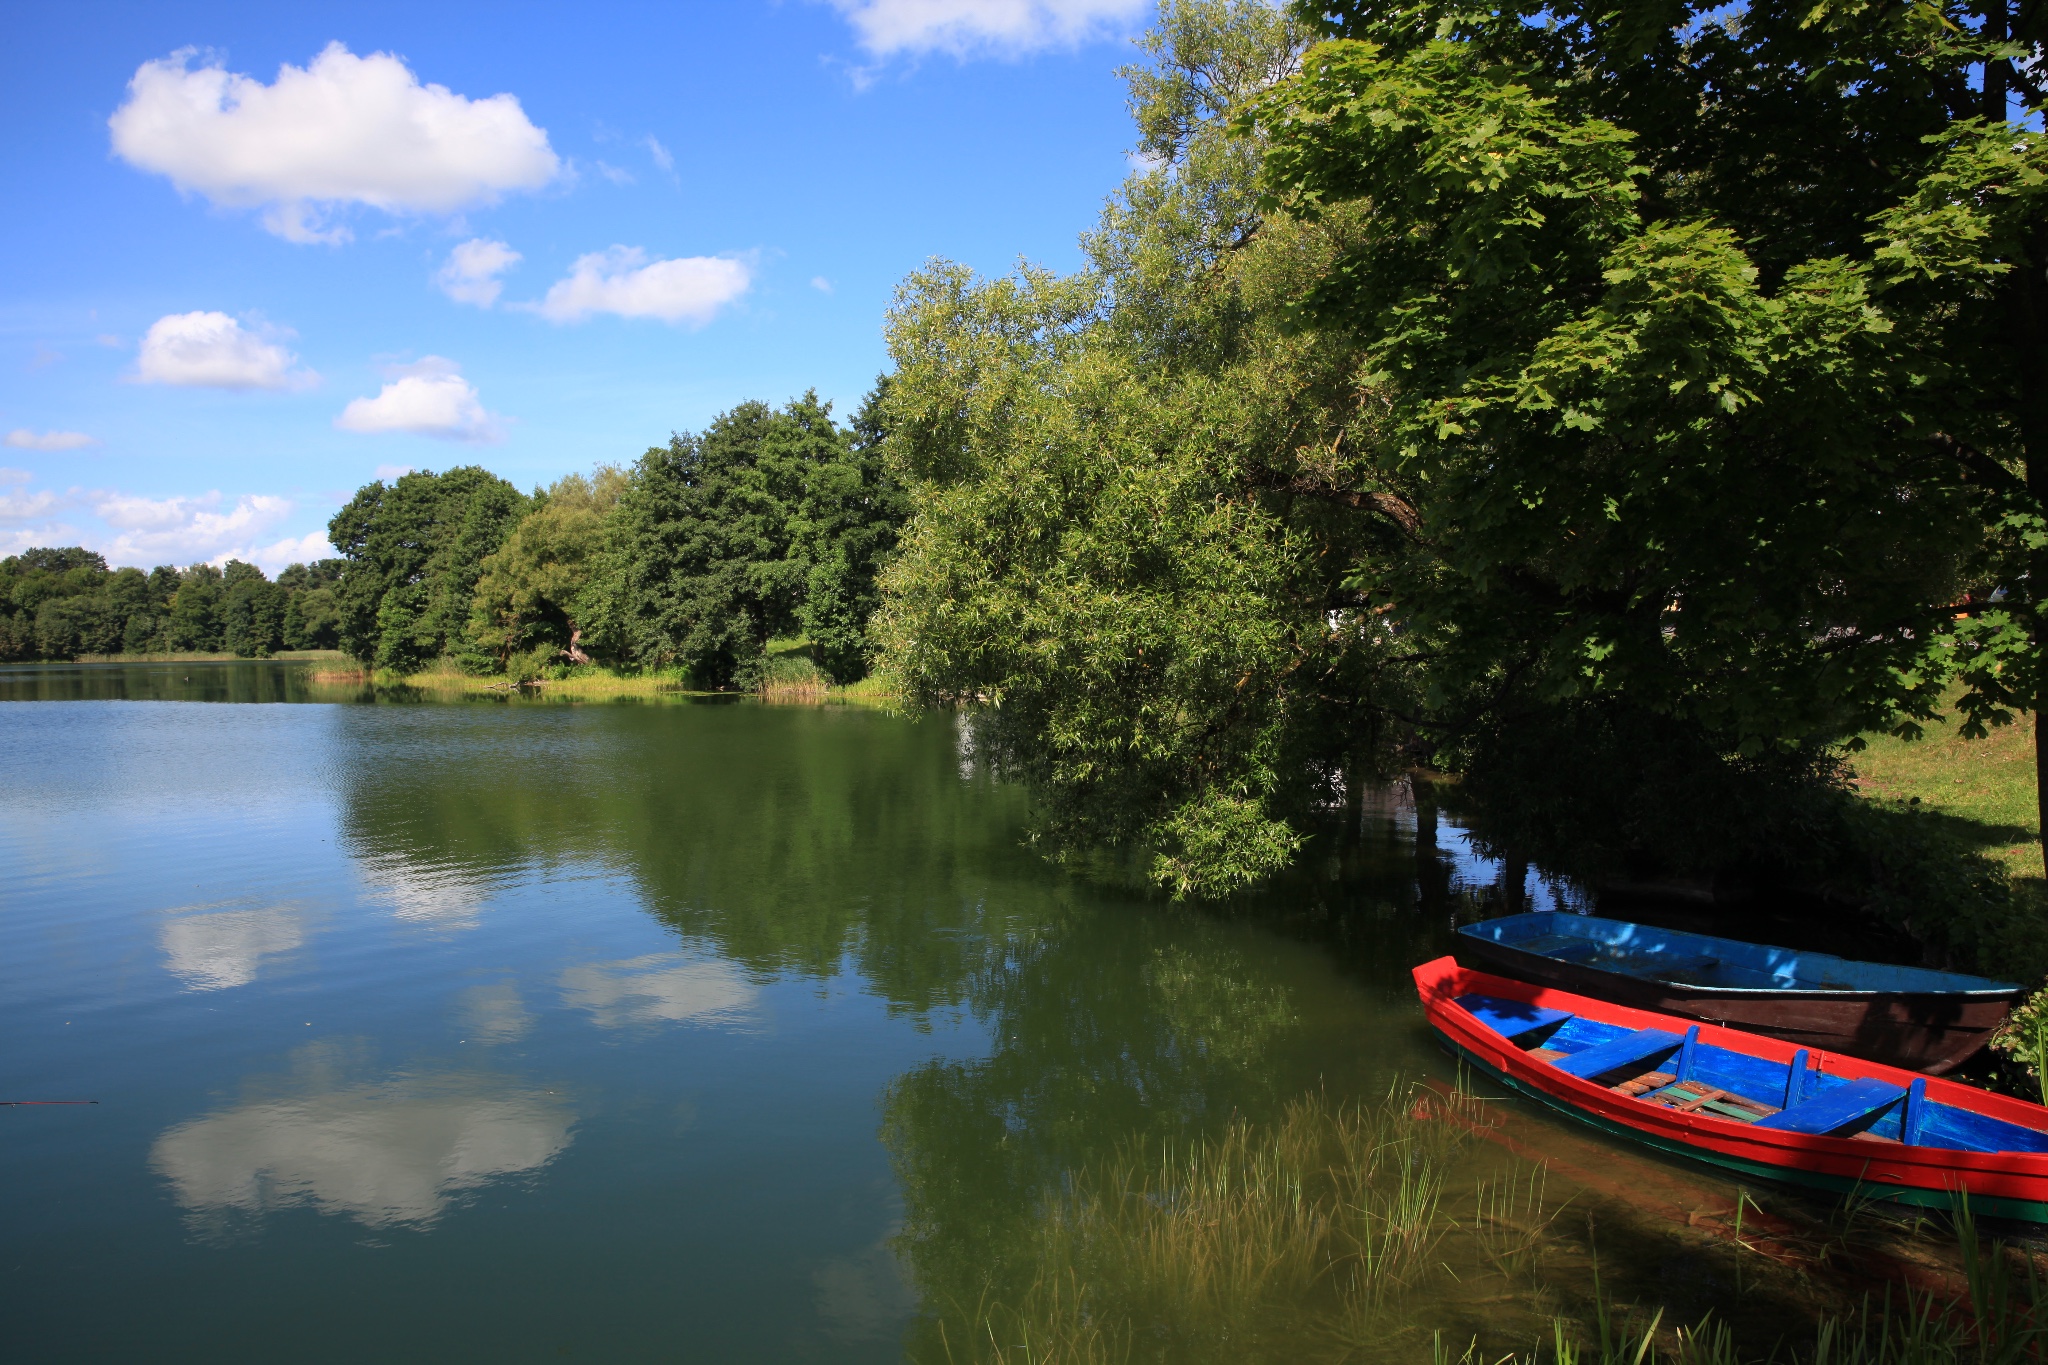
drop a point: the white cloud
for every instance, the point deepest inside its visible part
(21, 438)
(291, 550)
(23, 505)
(341, 130)
(821, 284)
(187, 529)
(984, 27)
(661, 154)
(428, 399)
(471, 272)
(213, 350)
(618, 175)
(391, 471)
(623, 281)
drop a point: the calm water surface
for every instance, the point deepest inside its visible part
(631, 1032)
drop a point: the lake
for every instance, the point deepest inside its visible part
(682, 1031)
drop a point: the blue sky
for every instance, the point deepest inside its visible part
(532, 237)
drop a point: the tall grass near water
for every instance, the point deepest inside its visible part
(1381, 1231)
(1292, 1241)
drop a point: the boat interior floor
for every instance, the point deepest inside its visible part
(1681, 1073)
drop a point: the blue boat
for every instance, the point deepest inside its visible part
(1911, 1017)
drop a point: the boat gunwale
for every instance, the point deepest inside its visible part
(2013, 992)
(1991, 988)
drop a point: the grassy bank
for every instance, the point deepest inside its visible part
(190, 657)
(790, 677)
(1983, 789)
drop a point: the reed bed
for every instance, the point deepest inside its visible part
(1286, 1242)
(1356, 1233)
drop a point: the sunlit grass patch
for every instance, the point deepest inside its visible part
(1988, 783)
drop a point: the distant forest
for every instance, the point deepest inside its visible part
(771, 522)
(59, 604)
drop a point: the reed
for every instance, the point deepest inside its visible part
(1233, 1247)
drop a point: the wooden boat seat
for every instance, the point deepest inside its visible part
(1631, 1049)
(1511, 1018)
(1834, 1109)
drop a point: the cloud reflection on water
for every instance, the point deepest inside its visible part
(427, 896)
(389, 1154)
(213, 952)
(660, 988)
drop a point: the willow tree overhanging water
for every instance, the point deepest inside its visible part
(1499, 361)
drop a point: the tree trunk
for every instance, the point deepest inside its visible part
(574, 652)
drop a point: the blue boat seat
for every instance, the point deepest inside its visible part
(1510, 1018)
(1835, 1109)
(1628, 1050)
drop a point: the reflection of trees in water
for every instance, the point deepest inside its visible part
(787, 840)
(799, 841)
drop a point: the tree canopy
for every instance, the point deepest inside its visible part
(63, 602)
(1463, 366)
(414, 550)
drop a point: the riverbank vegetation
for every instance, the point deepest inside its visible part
(1447, 388)
(1403, 1229)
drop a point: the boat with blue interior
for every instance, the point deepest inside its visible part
(1912, 1017)
(1748, 1104)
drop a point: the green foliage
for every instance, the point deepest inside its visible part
(1669, 359)
(769, 520)
(844, 529)
(414, 551)
(1119, 544)
(59, 604)
(525, 599)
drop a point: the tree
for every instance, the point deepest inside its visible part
(312, 616)
(526, 600)
(1118, 546)
(195, 610)
(414, 551)
(1669, 361)
(253, 612)
(844, 530)
(1707, 348)
(698, 571)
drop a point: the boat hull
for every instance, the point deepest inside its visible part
(1928, 1031)
(1999, 1184)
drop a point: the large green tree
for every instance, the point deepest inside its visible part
(843, 531)
(703, 565)
(527, 601)
(1125, 545)
(1708, 348)
(1673, 360)
(414, 550)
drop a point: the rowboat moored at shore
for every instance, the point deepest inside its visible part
(1749, 1104)
(1911, 1017)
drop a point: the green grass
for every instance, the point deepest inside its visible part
(1983, 788)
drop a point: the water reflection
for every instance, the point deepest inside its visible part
(224, 948)
(660, 988)
(493, 1014)
(390, 1153)
(425, 895)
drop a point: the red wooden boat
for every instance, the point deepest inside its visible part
(1749, 1104)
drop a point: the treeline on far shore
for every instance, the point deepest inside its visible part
(771, 522)
(63, 603)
